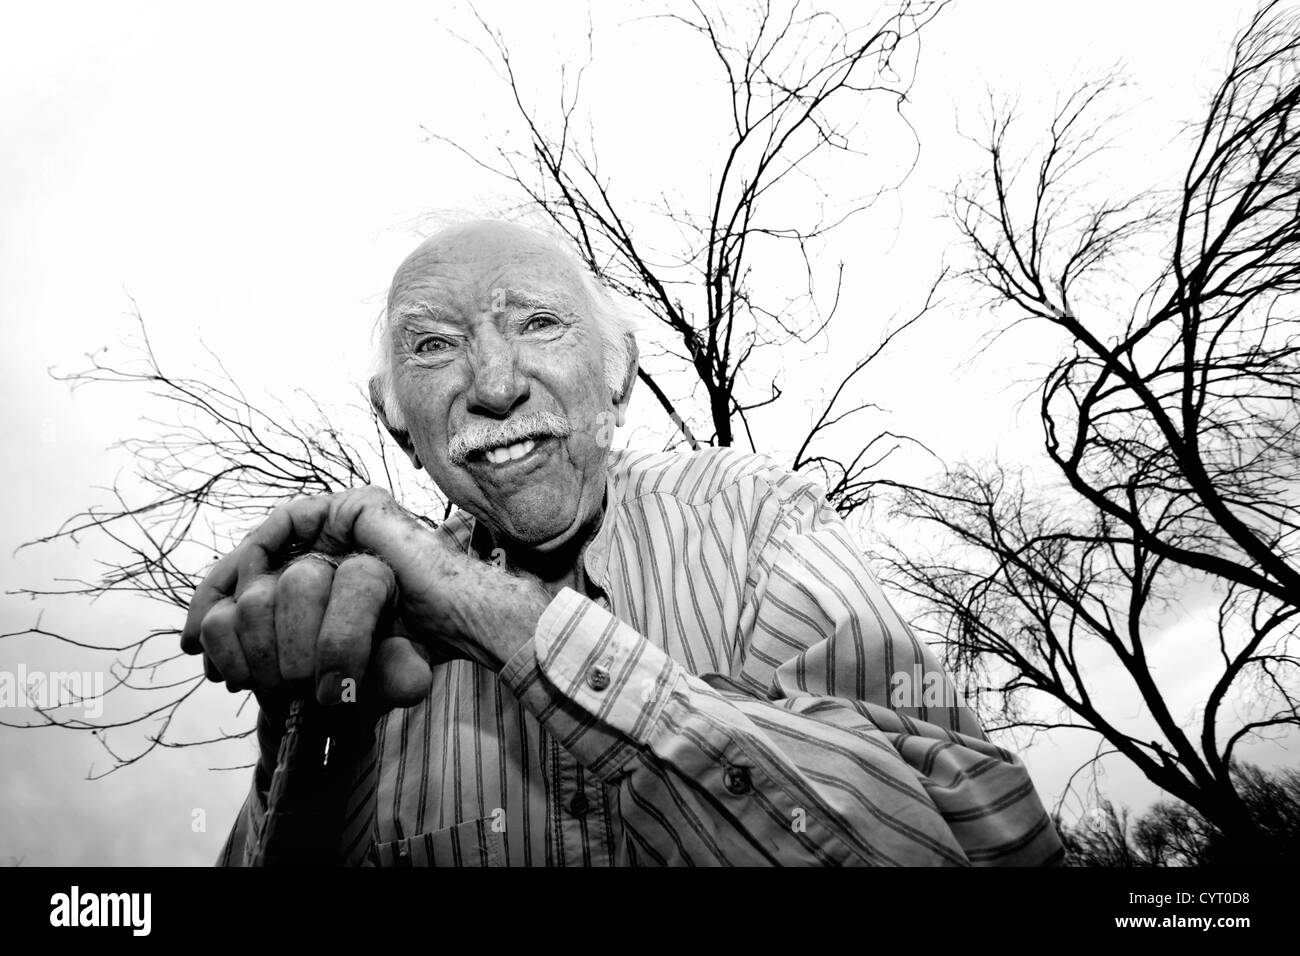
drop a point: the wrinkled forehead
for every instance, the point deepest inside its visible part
(465, 271)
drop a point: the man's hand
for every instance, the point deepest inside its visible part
(313, 623)
(309, 628)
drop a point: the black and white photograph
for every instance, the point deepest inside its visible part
(777, 433)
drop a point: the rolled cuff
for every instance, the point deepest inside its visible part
(593, 682)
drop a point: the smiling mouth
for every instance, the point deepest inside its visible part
(505, 454)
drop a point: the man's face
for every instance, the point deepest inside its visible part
(490, 325)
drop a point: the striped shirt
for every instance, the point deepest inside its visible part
(723, 698)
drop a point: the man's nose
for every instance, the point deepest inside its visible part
(496, 388)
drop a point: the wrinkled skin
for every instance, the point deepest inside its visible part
(511, 335)
(490, 323)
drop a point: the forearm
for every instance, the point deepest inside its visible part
(490, 613)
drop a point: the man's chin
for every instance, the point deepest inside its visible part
(544, 525)
(538, 532)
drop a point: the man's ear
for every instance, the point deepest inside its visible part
(624, 395)
(403, 438)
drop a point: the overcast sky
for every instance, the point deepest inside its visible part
(251, 176)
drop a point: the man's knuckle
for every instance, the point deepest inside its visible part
(256, 599)
(305, 575)
(366, 572)
(373, 592)
(210, 635)
(215, 624)
(376, 493)
(283, 509)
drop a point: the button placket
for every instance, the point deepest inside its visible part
(578, 809)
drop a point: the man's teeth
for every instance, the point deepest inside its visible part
(498, 456)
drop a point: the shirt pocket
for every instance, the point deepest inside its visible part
(471, 843)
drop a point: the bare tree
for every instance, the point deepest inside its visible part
(1173, 834)
(794, 80)
(794, 83)
(1172, 425)
(213, 466)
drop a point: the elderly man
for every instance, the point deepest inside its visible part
(604, 657)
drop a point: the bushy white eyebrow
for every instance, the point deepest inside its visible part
(530, 300)
(419, 309)
(429, 310)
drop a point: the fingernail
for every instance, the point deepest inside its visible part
(329, 690)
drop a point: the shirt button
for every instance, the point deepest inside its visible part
(598, 678)
(579, 805)
(736, 780)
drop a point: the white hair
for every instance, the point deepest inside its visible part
(616, 325)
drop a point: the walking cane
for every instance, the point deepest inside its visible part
(306, 801)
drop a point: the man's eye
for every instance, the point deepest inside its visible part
(541, 322)
(431, 345)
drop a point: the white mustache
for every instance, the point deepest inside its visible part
(484, 435)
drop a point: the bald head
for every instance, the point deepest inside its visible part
(502, 246)
(484, 239)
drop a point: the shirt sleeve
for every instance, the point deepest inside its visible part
(808, 751)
